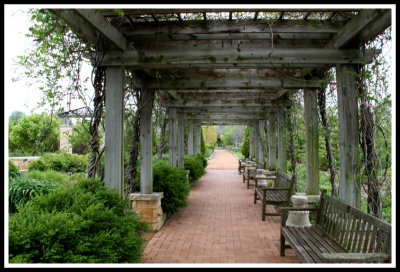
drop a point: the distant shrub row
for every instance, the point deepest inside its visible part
(62, 162)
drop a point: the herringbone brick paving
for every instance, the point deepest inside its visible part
(221, 224)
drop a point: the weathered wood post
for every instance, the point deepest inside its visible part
(311, 131)
(282, 162)
(190, 143)
(181, 139)
(349, 184)
(147, 203)
(114, 130)
(272, 140)
(261, 144)
(252, 140)
(197, 138)
(172, 136)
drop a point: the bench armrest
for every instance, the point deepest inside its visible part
(354, 257)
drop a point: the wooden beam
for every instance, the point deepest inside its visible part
(104, 27)
(235, 83)
(229, 110)
(377, 27)
(78, 24)
(217, 103)
(358, 24)
(210, 58)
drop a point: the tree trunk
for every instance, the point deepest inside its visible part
(329, 154)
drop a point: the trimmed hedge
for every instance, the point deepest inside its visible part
(195, 164)
(85, 223)
(62, 162)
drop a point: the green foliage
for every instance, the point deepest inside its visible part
(80, 137)
(86, 223)
(50, 175)
(55, 64)
(203, 143)
(63, 162)
(12, 170)
(245, 149)
(37, 132)
(202, 158)
(23, 189)
(195, 165)
(172, 182)
(15, 116)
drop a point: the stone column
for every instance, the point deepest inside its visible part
(65, 132)
(312, 146)
(349, 184)
(172, 136)
(114, 130)
(282, 162)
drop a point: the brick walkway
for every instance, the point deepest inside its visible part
(221, 224)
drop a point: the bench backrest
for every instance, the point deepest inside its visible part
(351, 228)
(284, 180)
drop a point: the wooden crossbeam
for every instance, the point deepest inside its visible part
(196, 58)
(104, 27)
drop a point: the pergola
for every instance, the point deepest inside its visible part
(232, 66)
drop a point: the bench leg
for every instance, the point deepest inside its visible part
(264, 207)
(255, 196)
(282, 245)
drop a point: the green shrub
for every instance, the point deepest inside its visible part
(12, 170)
(62, 162)
(23, 189)
(50, 175)
(202, 158)
(172, 182)
(195, 166)
(86, 223)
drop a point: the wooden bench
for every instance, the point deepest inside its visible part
(241, 166)
(278, 195)
(341, 234)
(249, 171)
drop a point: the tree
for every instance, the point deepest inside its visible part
(246, 143)
(15, 116)
(237, 135)
(36, 133)
(210, 135)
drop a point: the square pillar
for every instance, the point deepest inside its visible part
(261, 144)
(172, 136)
(272, 140)
(146, 142)
(114, 130)
(190, 142)
(349, 184)
(197, 138)
(312, 146)
(282, 161)
(252, 140)
(181, 140)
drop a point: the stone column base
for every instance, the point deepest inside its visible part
(148, 206)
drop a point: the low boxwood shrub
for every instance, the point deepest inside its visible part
(85, 223)
(172, 182)
(195, 166)
(202, 158)
(62, 162)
